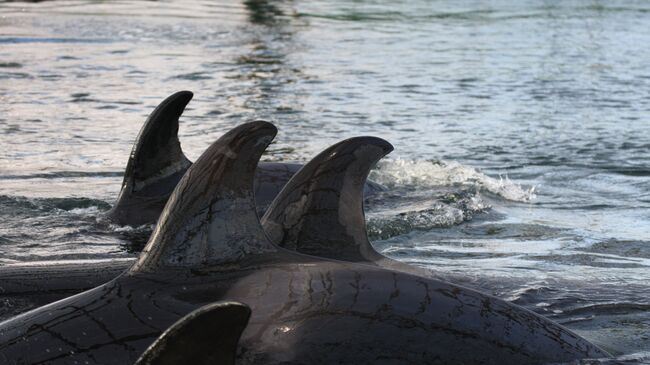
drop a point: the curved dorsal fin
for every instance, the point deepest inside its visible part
(210, 217)
(155, 165)
(206, 336)
(320, 210)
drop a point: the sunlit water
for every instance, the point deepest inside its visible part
(521, 130)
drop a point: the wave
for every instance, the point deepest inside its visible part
(437, 173)
(61, 174)
(640, 358)
(30, 206)
(620, 248)
(433, 209)
(423, 195)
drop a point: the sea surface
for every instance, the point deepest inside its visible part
(521, 130)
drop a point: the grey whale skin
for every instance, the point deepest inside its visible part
(209, 246)
(155, 166)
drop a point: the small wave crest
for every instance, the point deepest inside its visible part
(436, 173)
(19, 204)
(134, 238)
(635, 358)
(423, 211)
(432, 194)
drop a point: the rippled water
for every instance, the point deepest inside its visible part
(522, 130)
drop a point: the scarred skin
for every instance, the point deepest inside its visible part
(209, 246)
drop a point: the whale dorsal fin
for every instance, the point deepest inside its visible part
(157, 152)
(206, 336)
(155, 165)
(210, 217)
(320, 210)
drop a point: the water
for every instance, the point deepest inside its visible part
(521, 130)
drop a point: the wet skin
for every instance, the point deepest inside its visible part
(207, 336)
(209, 246)
(305, 310)
(24, 287)
(155, 167)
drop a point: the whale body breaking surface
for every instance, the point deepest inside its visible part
(210, 246)
(155, 166)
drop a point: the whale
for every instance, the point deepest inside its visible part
(28, 286)
(207, 336)
(157, 162)
(327, 190)
(155, 165)
(209, 245)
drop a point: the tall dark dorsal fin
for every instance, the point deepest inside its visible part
(155, 166)
(210, 217)
(320, 210)
(207, 336)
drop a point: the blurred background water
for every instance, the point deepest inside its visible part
(521, 130)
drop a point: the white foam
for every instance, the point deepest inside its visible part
(88, 211)
(425, 173)
(638, 356)
(429, 213)
(117, 228)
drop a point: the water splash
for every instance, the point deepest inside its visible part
(62, 228)
(422, 210)
(436, 173)
(635, 358)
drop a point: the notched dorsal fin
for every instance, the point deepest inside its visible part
(155, 165)
(210, 218)
(207, 336)
(320, 210)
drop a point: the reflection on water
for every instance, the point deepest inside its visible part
(263, 11)
(521, 130)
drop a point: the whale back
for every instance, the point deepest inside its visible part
(209, 246)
